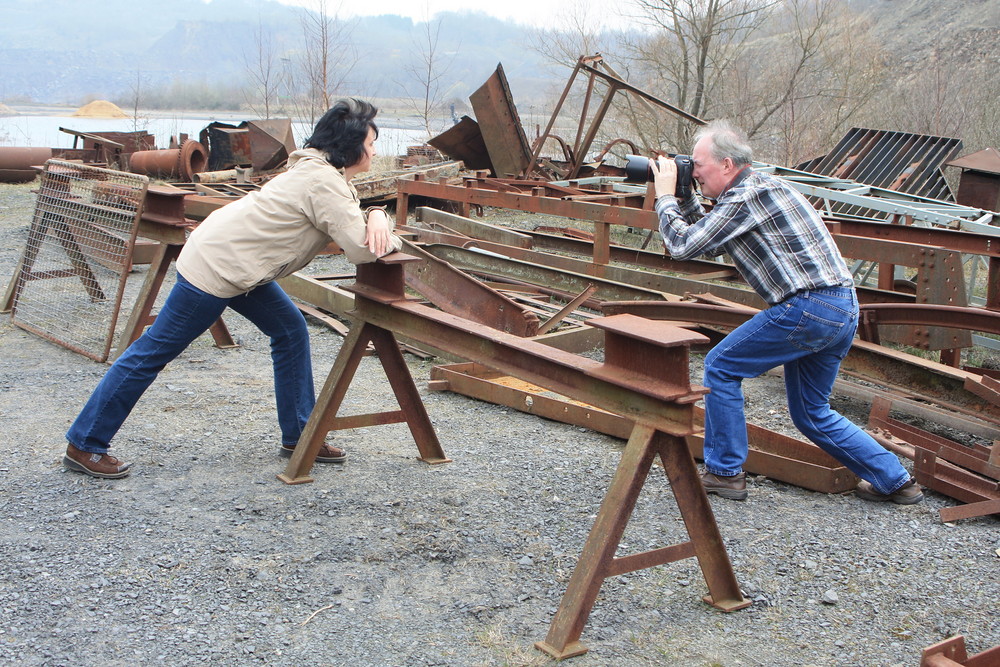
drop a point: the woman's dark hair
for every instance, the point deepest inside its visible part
(342, 131)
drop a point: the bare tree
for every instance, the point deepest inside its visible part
(797, 86)
(983, 120)
(426, 70)
(693, 43)
(933, 100)
(578, 33)
(791, 73)
(262, 65)
(138, 120)
(326, 60)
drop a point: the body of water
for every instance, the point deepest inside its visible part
(33, 130)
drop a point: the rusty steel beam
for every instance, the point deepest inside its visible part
(896, 369)
(602, 215)
(778, 456)
(455, 292)
(549, 267)
(530, 246)
(924, 314)
(935, 283)
(866, 361)
(566, 281)
(884, 365)
(962, 241)
(629, 382)
(474, 229)
(951, 652)
(969, 510)
(540, 240)
(966, 472)
(965, 242)
(973, 457)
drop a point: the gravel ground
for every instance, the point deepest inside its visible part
(203, 555)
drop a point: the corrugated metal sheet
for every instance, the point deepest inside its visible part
(899, 161)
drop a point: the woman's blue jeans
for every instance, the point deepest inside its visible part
(186, 314)
(809, 333)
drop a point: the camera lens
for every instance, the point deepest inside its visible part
(637, 169)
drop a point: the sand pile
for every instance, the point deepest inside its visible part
(100, 109)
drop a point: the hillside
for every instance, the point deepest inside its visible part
(917, 32)
(85, 49)
(71, 51)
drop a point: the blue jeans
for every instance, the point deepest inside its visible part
(187, 313)
(809, 333)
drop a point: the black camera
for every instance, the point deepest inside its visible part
(637, 170)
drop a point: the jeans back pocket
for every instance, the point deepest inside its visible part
(814, 333)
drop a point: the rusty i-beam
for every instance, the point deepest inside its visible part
(644, 376)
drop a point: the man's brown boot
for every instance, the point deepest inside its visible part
(94, 464)
(733, 488)
(908, 494)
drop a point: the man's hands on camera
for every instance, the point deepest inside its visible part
(664, 176)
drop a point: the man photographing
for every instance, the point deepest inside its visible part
(783, 250)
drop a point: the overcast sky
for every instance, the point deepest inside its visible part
(543, 13)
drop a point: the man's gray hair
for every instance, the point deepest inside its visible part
(725, 141)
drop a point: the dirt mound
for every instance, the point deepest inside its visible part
(6, 111)
(100, 109)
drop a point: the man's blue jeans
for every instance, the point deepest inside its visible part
(186, 314)
(809, 333)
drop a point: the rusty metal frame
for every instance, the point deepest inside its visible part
(868, 239)
(969, 473)
(585, 136)
(867, 361)
(939, 382)
(779, 457)
(662, 410)
(83, 232)
(452, 291)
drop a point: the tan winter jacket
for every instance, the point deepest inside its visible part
(277, 230)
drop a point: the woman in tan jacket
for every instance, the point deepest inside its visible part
(232, 260)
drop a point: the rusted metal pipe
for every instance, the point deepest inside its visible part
(178, 163)
(16, 163)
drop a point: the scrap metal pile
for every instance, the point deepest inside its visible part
(226, 161)
(583, 318)
(927, 266)
(927, 269)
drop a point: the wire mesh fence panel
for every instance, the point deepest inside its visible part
(71, 278)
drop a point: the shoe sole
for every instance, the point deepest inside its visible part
(287, 453)
(76, 466)
(730, 494)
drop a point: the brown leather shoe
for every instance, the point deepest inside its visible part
(95, 465)
(908, 494)
(327, 453)
(733, 488)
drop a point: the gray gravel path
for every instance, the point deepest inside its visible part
(203, 555)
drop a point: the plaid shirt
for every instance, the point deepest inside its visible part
(774, 236)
